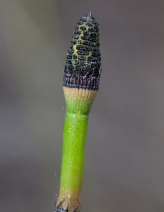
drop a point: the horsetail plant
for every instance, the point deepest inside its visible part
(80, 83)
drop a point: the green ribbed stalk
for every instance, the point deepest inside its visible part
(78, 105)
(73, 152)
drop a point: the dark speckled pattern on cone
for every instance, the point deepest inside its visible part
(83, 64)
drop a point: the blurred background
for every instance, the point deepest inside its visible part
(124, 164)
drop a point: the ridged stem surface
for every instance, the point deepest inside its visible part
(74, 138)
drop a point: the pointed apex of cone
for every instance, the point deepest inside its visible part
(89, 15)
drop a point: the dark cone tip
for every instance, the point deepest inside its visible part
(89, 15)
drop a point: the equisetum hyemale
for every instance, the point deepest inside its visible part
(80, 83)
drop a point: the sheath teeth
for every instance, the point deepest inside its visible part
(83, 66)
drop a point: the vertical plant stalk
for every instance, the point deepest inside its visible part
(80, 83)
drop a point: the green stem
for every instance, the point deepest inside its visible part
(73, 152)
(78, 105)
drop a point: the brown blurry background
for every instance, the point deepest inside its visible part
(124, 164)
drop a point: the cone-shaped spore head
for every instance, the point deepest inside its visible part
(83, 63)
